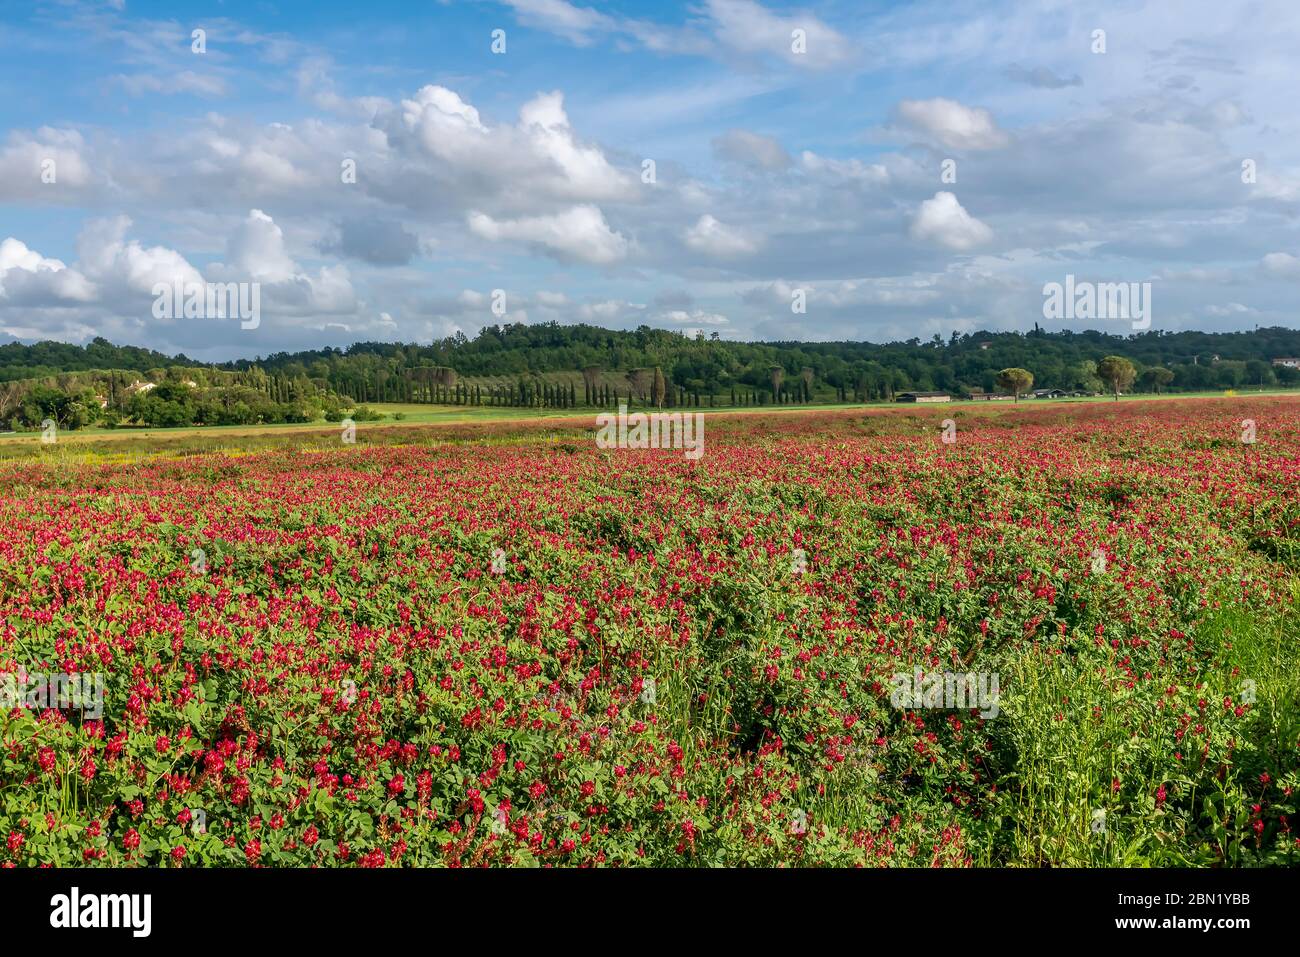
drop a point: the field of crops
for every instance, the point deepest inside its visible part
(518, 649)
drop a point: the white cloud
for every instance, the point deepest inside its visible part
(257, 249)
(695, 317)
(108, 257)
(748, 27)
(24, 157)
(519, 166)
(576, 24)
(117, 275)
(256, 252)
(27, 276)
(852, 169)
(729, 26)
(952, 124)
(1134, 161)
(606, 310)
(942, 220)
(579, 233)
(847, 293)
(1281, 265)
(1228, 310)
(712, 238)
(315, 83)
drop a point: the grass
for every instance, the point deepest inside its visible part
(1070, 742)
(234, 439)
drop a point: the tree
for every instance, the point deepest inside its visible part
(590, 378)
(69, 410)
(1016, 380)
(806, 374)
(658, 389)
(778, 376)
(1083, 375)
(640, 381)
(1156, 376)
(1117, 372)
(1258, 372)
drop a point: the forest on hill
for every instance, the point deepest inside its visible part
(562, 366)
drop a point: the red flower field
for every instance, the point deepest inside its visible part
(308, 658)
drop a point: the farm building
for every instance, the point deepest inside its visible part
(979, 395)
(923, 397)
(1288, 362)
(1050, 394)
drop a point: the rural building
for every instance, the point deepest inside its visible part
(1049, 394)
(1289, 362)
(979, 395)
(923, 397)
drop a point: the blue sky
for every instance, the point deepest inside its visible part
(777, 170)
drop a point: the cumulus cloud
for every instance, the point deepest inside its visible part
(712, 238)
(124, 265)
(580, 233)
(852, 169)
(117, 274)
(952, 124)
(256, 252)
(257, 249)
(942, 220)
(605, 310)
(694, 317)
(538, 159)
(27, 277)
(553, 300)
(846, 293)
(29, 160)
(1137, 169)
(1281, 265)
